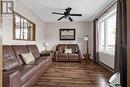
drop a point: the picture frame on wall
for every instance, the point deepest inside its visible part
(67, 34)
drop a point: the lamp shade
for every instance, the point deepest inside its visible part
(86, 38)
(46, 44)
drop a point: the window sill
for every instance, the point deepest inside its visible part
(107, 52)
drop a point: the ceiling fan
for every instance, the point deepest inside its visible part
(67, 14)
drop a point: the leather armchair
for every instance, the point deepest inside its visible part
(74, 56)
(12, 79)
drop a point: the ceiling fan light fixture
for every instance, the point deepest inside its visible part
(66, 17)
(67, 14)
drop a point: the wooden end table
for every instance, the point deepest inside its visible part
(87, 57)
(48, 53)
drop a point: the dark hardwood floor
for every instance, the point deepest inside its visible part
(70, 74)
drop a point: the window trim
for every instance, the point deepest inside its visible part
(28, 21)
(109, 15)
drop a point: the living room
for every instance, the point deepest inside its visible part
(97, 48)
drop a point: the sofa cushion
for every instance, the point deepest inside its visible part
(73, 57)
(18, 50)
(27, 72)
(74, 47)
(9, 58)
(40, 62)
(34, 50)
(37, 61)
(62, 57)
(61, 47)
(27, 57)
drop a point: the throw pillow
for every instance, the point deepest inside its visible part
(68, 50)
(27, 57)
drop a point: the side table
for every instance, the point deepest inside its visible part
(87, 57)
(48, 53)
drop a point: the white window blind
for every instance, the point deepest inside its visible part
(107, 32)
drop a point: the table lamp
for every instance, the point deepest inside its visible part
(46, 45)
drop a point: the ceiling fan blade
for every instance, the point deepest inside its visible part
(57, 13)
(75, 14)
(61, 18)
(70, 19)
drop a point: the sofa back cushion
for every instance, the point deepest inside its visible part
(9, 58)
(74, 47)
(18, 50)
(61, 47)
(34, 50)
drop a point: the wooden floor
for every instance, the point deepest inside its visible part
(65, 74)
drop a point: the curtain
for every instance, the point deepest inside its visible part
(95, 53)
(121, 41)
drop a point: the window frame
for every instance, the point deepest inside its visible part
(28, 22)
(104, 19)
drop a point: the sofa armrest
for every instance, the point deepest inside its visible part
(80, 55)
(11, 78)
(56, 55)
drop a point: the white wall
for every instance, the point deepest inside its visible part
(82, 28)
(8, 27)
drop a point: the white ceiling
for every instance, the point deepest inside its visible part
(88, 8)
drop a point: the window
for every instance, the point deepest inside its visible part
(24, 29)
(107, 33)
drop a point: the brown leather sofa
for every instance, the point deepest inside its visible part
(16, 73)
(60, 55)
